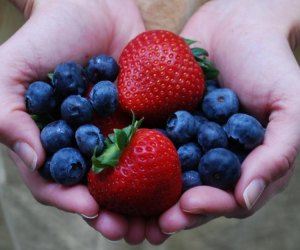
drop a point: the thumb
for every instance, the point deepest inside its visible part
(17, 129)
(273, 160)
(20, 134)
(30, 54)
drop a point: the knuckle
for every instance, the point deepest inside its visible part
(284, 164)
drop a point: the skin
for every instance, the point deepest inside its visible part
(266, 77)
(251, 43)
(76, 30)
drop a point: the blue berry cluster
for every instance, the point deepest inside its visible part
(63, 108)
(213, 141)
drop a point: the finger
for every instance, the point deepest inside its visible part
(75, 199)
(203, 33)
(47, 47)
(175, 220)
(17, 129)
(90, 28)
(209, 201)
(20, 133)
(273, 159)
(270, 191)
(153, 233)
(111, 225)
(136, 231)
(128, 28)
(214, 203)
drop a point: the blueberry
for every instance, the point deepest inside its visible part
(88, 138)
(44, 171)
(244, 130)
(199, 119)
(211, 135)
(102, 67)
(211, 85)
(39, 98)
(219, 104)
(104, 98)
(181, 127)
(190, 179)
(189, 155)
(56, 135)
(220, 168)
(76, 110)
(67, 166)
(69, 79)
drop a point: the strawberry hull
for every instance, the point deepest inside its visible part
(145, 182)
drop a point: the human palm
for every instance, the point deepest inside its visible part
(58, 31)
(251, 46)
(252, 54)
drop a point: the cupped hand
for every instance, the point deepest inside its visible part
(251, 44)
(55, 32)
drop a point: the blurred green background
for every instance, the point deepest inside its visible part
(28, 225)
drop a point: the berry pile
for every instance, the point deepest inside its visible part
(194, 132)
(213, 141)
(67, 109)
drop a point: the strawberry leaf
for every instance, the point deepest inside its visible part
(197, 52)
(209, 69)
(109, 158)
(110, 139)
(121, 138)
(115, 145)
(189, 41)
(200, 55)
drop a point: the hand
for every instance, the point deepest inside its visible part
(251, 44)
(58, 31)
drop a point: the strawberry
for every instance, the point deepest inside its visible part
(119, 119)
(138, 174)
(159, 74)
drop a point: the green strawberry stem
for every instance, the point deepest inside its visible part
(200, 55)
(115, 144)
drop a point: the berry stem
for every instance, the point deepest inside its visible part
(209, 69)
(115, 145)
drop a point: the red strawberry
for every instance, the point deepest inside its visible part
(119, 119)
(144, 181)
(158, 76)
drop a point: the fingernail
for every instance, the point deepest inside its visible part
(170, 233)
(89, 217)
(27, 154)
(113, 241)
(253, 192)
